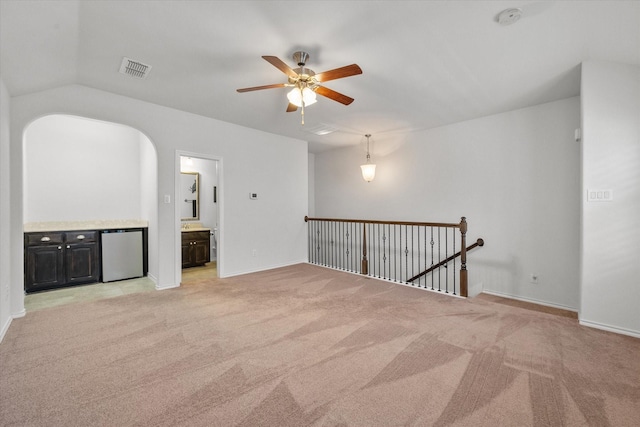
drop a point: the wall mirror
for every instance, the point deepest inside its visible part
(189, 196)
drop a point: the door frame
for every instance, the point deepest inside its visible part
(177, 216)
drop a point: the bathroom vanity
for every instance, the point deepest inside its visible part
(196, 244)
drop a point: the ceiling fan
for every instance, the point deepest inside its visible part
(306, 83)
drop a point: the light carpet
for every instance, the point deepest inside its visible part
(308, 346)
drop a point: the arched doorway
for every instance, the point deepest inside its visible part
(77, 169)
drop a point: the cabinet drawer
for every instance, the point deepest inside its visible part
(195, 235)
(81, 236)
(43, 238)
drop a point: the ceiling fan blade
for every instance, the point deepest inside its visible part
(291, 108)
(332, 94)
(249, 89)
(280, 65)
(338, 73)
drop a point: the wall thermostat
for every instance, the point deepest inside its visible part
(253, 196)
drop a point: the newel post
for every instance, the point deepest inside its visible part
(365, 263)
(463, 258)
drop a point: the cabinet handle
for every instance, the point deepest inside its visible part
(59, 247)
(68, 247)
(80, 236)
(45, 239)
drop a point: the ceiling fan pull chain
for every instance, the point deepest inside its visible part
(302, 111)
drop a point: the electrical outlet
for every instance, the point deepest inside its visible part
(534, 279)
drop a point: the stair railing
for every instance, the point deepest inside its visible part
(414, 253)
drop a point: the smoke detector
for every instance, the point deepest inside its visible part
(509, 16)
(134, 68)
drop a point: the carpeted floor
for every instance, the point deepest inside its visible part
(308, 346)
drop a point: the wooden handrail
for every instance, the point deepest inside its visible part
(369, 221)
(479, 242)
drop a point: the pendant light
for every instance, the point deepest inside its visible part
(368, 169)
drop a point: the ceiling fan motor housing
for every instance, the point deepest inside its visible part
(300, 58)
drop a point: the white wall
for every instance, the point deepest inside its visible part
(78, 169)
(5, 220)
(149, 199)
(312, 185)
(611, 160)
(274, 166)
(515, 176)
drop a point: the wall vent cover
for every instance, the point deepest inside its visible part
(134, 68)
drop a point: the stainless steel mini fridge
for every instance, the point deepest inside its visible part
(121, 254)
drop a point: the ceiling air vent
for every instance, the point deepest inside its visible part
(134, 68)
(320, 129)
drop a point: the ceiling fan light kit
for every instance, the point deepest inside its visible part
(300, 97)
(306, 83)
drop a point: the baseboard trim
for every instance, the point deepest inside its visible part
(165, 287)
(609, 328)
(266, 268)
(531, 300)
(5, 328)
(153, 278)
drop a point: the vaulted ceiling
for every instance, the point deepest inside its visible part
(425, 63)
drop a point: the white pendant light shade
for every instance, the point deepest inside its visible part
(297, 96)
(368, 171)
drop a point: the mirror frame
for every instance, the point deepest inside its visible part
(195, 190)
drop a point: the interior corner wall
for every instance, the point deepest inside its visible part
(610, 289)
(5, 203)
(515, 176)
(254, 161)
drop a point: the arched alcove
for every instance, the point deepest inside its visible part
(78, 169)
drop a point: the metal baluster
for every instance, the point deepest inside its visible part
(333, 242)
(454, 261)
(384, 252)
(432, 263)
(439, 258)
(317, 242)
(378, 251)
(406, 254)
(446, 255)
(395, 267)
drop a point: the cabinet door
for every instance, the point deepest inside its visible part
(200, 252)
(44, 267)
(81, 262)
(186, 254)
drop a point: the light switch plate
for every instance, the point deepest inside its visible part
(599, 195)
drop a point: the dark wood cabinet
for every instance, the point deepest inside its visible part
(60, 259)
(195, 248)
(44, 267)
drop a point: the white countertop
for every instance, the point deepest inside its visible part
(84, 225)
(193, 226)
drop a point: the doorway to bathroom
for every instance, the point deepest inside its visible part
(198, 200)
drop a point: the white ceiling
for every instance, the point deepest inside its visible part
(425, 63)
